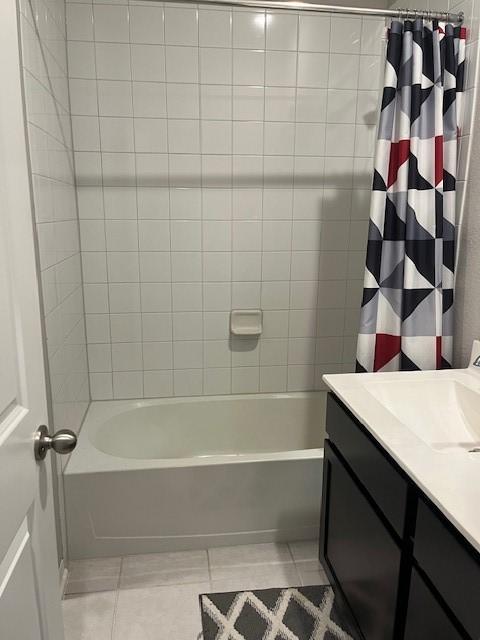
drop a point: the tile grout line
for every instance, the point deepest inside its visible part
(300, 581)
(209, 569)
(117, 596)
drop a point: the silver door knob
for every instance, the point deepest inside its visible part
(63, 441)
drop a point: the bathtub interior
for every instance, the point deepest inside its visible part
(226, 426)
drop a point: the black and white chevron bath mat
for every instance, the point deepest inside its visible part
(303, 613)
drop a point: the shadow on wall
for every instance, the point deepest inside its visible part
(89, 175)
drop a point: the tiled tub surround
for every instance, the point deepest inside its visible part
(156, 596)
(223, 161)
(44, 57)
(44, 51)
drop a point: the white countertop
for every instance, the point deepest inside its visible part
(450, 478)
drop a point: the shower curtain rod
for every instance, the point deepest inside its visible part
(299, 5)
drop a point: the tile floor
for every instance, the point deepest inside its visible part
(155, 596)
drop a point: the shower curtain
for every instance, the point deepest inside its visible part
(407, 308)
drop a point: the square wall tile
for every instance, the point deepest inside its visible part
(156, 297)
(187, 382)
(125, 327)
(281, 68)
(313, 69)
(128, 384)
(157, 384)
(248, 103)
(282, 31)
(79, 22)
(182, 64)
(149, 100)
(114, 98)
(81, 59)
(112, 61)
(181, 26)
(155, 266)
(183, 100)
(248, 67)
(146, 24)
(249, 30)
(157, 356)
(124, 297)
(215, 68)
(216, 102)
(111, 23)
(83, 97)
(314, 33)
(215, 28)
(345, 34)
(148, 62)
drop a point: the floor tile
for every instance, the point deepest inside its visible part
(311, 572)
(304, 549)
(158, 569)
(89, 616)
(159, 613)
(249, 554)
(97, 574)
(254, 577)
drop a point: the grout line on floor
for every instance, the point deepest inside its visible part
(117, 595)
(291, 552)
(114, 617)
(209, 569)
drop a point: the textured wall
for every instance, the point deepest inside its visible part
(223, 161)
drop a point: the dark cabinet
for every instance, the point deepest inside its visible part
(425, 616)
(451, 565)
(368, 462)
(361, 553)
(401, 568)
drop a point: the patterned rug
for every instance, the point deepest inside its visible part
(303, 613)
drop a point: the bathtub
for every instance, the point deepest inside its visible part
(189, 473)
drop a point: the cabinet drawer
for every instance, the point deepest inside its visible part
(383, 481)
(452, 565)
(425, 616)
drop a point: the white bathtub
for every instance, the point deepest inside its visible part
(190, 473)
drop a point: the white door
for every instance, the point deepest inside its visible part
(29, 579)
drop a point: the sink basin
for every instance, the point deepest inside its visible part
(444, 413)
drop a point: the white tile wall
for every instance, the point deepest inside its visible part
(217, 152)
(44, 51)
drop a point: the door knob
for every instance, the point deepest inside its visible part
(63, 441)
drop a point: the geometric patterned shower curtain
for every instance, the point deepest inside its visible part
(407, 308)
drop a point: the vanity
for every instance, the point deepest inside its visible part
(400, 524)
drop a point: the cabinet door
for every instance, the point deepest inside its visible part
(425, 616)
(359, 552)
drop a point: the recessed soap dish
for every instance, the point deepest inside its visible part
(246, 322)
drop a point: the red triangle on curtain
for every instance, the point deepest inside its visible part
(399, 152)
(438, 159)
(386, 348)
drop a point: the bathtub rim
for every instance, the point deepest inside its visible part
(88, 459)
